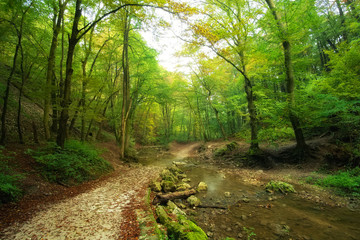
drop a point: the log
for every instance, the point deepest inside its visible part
(163, 198)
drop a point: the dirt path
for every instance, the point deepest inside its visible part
(105, 211)
(100, 213)
(96, 214)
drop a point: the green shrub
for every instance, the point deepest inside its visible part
(344, 182)
(76, 163)
(9, 181)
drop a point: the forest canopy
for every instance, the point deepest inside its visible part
(264, 71)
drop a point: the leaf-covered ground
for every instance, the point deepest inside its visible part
(102, 209)
(97, 214)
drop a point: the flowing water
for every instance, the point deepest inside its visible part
(251, 210)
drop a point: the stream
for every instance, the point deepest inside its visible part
(252, 213)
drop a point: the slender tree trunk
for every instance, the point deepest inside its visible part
(8, 82)
(65, 103)
(290, 83)
(50, 85)
(126, 88)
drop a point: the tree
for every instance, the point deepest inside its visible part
(19, 33)
(301, 146)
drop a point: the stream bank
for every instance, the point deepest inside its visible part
(253, 213)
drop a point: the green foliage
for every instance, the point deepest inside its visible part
(249, 232)
(278, 186)
(76, 163)
(344, 182)
(273, 135)
(9, 181)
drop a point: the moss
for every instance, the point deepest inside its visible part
(168, 186)
(228, 148)
(182, 186)
(184, 229)
(193, 201)
(162, 215)
(167, 175)
(202, 187)
(278, 186)
(155, 186)
(175, 170)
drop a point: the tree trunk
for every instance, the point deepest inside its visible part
(65, 103)
(290, 83)
(126, 89)
(50, 85)
(8, 82)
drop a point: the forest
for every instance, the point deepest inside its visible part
(261, 72)
(279, 72)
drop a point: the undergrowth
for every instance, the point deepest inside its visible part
(346, 183)
(9, 181)
(76, 163)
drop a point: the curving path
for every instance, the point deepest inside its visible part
(97, 214)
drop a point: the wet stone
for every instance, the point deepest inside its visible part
(227, 194)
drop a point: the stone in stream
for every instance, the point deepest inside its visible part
(182, 187)
(179, 163)
(193, 201)
(227, 194)
(202, 187)
(186, 180)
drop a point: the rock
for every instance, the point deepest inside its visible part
(168, 186)
(240, 235)
(243, 217)
(155, 186)
(210, 234)
(228, 229)
(175, 170)
(279, 186)
(246, 200)
(171, 205)
(183, 187)
(280, 230)
(179, 163)
(166, 175)
(186, 180)
(202, 187)
(227, 194)
(193, 201)
(181, 175)
(175, 209)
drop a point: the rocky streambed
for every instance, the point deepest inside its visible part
(237, 205)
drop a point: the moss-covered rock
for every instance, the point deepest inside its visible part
(168, 186)
(174, 209)
(193, 201)
(175, 170)
(155, 186)
(181, 176)
(278, 186)
(182, 187)
(167, 175)
(163, 217)
(184, 229)
(228, 148)
(202, 187)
